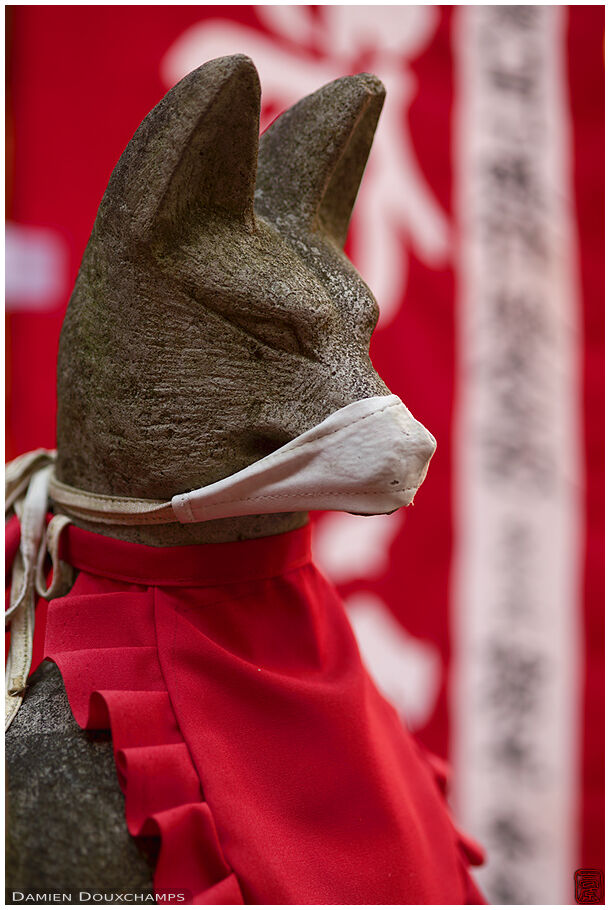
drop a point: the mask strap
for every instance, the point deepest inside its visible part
(105, 509)
(63, 573)
(18, 473)
(27, 495)
(19, 658)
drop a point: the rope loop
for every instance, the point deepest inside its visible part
(27, 494)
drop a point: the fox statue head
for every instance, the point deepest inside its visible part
(215, 316)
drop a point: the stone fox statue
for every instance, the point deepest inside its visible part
(214, 384)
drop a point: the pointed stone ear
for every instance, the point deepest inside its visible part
(193, 155)
(311, 159)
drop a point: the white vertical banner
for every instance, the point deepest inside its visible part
(516, 584)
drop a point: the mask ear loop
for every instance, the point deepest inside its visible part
(19, 658)
(63, 573)
(27, 580)
(31, 511)
(19, 472)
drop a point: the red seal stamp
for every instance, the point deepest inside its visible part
(589, 886)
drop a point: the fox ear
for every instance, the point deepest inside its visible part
(193, 155)
(311, 159)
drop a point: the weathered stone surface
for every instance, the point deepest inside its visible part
(214, 318)
(66, 826)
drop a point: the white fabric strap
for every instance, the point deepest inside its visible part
(19, 658)
(27, 480)
(63, 573)
(17, 473)
(31, 510)
(107, 509)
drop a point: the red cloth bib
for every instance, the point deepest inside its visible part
(247, 733)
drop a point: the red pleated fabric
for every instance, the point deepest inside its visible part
(248, 736)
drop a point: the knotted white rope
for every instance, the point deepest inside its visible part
(26, 492)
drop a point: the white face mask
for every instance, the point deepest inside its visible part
(369, 457)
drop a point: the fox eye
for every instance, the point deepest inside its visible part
(277, 334)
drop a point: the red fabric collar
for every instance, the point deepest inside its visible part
(200, 565)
